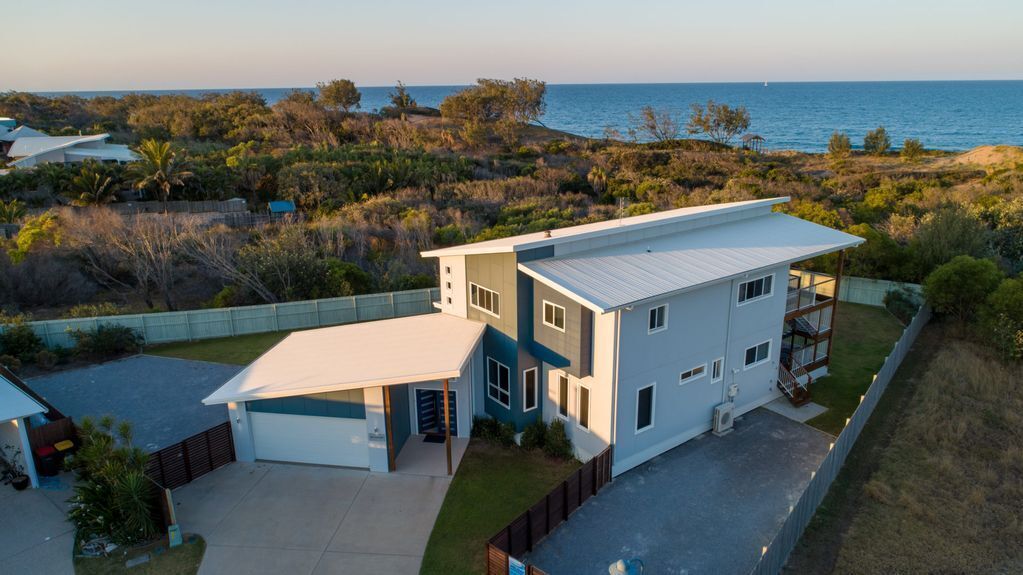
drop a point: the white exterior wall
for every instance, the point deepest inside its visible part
(459, 287)
(241, 431)
(376, 429)
(463, 389)
(312, 439)
(702, 325)
(14, 433)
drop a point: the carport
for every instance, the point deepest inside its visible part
(354, 395)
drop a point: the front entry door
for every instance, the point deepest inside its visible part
(430, 411)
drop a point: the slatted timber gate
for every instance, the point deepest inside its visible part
(181, 463)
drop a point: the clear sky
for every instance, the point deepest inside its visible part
(148, 44)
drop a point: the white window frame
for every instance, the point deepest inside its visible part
(650, 310)
(767, 358)
(720, 363)
(564, 315)
(536, 390)
(693, 376)
(497, 385)
(568, 393)
(653, 407)
(479, 307)
(762, 296)
(579, 387)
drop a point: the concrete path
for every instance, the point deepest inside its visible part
(707, 506)
(34, 535)
(161, 396)
(299, 519)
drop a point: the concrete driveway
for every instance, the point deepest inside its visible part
(161, 396)
(34, 535)
(298, 519)
(707, 506)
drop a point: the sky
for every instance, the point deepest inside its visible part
(63, 45)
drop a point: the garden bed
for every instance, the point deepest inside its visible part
(163, 560)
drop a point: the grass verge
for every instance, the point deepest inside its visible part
(493, 485)
(864, 335)
(238, 350)
(181, 560)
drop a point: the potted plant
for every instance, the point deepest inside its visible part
(13, 470)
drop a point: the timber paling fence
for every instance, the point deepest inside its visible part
(775, 555)
(169, 327)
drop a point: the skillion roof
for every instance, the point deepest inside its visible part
(617, 276)
(15, 403)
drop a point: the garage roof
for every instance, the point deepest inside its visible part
(620, 275)
(15, 403)
(387, 352)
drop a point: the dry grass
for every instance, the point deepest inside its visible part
(948, 495)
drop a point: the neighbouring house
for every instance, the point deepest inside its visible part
(24, 147)
(640, 333)
(17, 407)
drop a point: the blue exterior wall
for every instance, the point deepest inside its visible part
(401, 421)
(348, 404)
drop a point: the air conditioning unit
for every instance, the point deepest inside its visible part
(723, 418)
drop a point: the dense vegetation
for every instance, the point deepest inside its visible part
(375, 189)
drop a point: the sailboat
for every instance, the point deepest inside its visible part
(765, 84)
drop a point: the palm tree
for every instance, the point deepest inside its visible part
(158, 167)
(12, 211)
(92, 188)
(597, 179)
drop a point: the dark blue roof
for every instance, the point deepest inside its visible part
(282, 206)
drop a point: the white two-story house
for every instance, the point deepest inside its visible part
(640, 333)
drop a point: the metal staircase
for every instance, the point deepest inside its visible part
(795, 383)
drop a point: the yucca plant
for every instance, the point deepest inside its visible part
(12, 211)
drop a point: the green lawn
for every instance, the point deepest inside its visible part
(239, 350)
(864, 335)
(493, 485)
(181, 560)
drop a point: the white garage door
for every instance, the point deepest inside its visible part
(310, 439)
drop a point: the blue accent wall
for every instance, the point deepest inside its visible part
(348, 404)
(401, 426)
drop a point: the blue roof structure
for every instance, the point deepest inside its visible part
(282, 207)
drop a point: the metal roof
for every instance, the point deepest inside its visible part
(387, 352)
(31, 145)
(617, 276)
(21, 132)
(605, 228)
(15, 403)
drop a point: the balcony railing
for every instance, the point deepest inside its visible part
(807, 289)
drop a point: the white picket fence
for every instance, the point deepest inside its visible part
(775, 555)
(192, 325)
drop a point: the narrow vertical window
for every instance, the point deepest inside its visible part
(563, 395)
(645, 408)
(717, 370)
(584, 407)
(529, 389)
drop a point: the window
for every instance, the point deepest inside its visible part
(755, 289)
(658, 320)
(529, 389)
(563, 396)
(485, 300)
(695, 373)
(758, 354)
(447, 285)
(449, 301)
(645, 408)
(717, 370)
(447, 270)
(584, 408)
(498, 383)
(553, 315)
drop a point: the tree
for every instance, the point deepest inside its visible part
(877, 142)
(400, 97)
(11, 211)
(339, 94)
(92, 188)
(658, 125)
(597, 178)
(912, 149)
(718, 121)
(150, 247)
(1003, 317)
(961, 286)
(839, 146)
(158, 167)
(521, 100)
(946, 233)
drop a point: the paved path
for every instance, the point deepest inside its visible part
(302, 519)
(34, 535)
(707, 506)
(161, 396)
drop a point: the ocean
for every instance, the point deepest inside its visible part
(948, 115)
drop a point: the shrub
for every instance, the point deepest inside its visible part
(556, 442)
(493, 431)
(106, 341)
(839, 146)
(45, 359)
(534, 435)
(1002, 316)
(877, 142)
(10, 362)
(912, 149)
(19, 340)
(959, 287)
(112, 496)
(94, 310)
(902, 303)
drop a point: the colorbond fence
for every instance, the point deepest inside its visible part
(181, 463)
(871, 292)
(528, 529)
(776, 554)
(223, 322)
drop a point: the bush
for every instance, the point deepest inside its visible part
(94, 310)
(10, 362)
(1002, 316)
(493, 431)
(45, 359)
(912, 149)
(112, 496)
(534, 435)
(877, 142)
(902, 303)
(959, 287)
(839, 146)
(19, 340)
(106, 341)
(556, 442)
